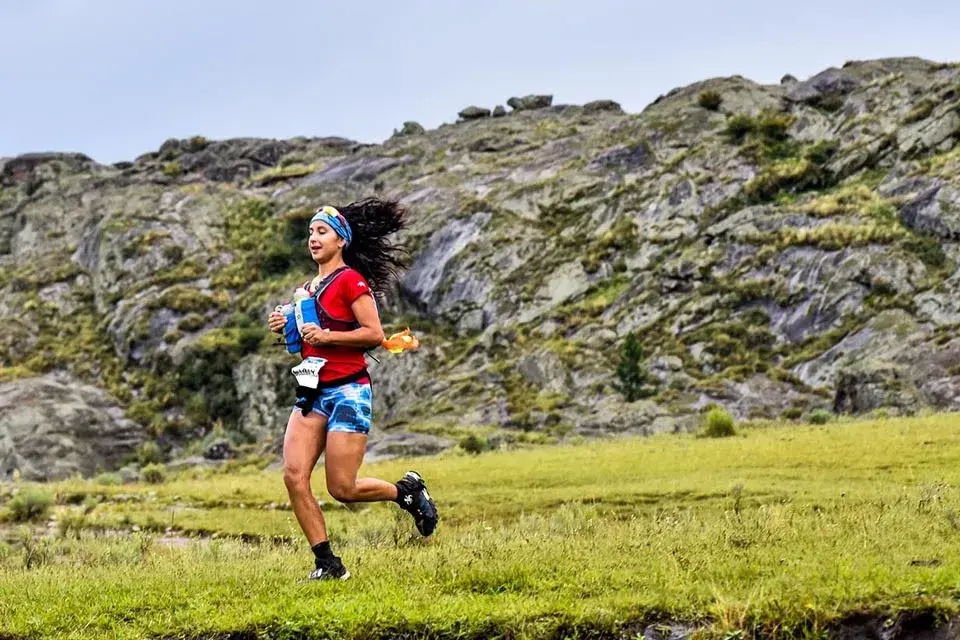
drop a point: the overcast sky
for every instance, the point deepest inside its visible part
(115, 78)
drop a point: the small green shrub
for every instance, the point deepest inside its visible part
(739, 127)
(207, 387)
(821, 152)
(710, 100)
(108, 479)
(240, 320)
(786, 176)
(772, 127)
(71, 524)
(192, 322)
(37, 551)
(619, 239)
(718, 423)
(927, 249)
(195, 144)
(819, 416)
(920, 112)
(172, 252)
(830, 102)
(839, 236)
(285, 171)
(30, 505)
(172, 169)
(142, 412)
(149, 453)
(792, 413)
(474, 444)
(153, 474)
(183, 299)
(277, 260)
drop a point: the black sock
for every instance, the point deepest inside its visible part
(402, 492)
(322, 551)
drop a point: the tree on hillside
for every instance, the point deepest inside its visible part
(634, 379)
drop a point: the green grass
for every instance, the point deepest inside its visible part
(780, 531)
(280, 174)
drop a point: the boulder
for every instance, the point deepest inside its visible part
(52, 427)
(935, 211)
(545, 371)
(530, 102)
(938, 132)
(875, 384)
(405, 445)
(471, 321)
(602, 106)
(611, 415)
(830, 83)
(474, 113)
(20, 168)
(220, 449)
(411, 128)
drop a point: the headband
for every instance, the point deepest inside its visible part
(335, 219)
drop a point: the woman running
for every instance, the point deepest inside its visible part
(334, 410)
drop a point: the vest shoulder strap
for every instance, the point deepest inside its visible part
(326, 282)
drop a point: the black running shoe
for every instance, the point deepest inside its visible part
(329, 569)
(418, 503)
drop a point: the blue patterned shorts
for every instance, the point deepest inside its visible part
(348, 408)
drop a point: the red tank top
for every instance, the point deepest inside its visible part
(335, 313)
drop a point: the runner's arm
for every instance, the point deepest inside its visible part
(368, 334)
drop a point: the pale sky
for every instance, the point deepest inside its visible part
(115, 78)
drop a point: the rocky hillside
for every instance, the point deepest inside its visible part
(775, 249)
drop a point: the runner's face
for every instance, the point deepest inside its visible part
(323, 242)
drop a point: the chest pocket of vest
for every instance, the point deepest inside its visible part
(327, 321)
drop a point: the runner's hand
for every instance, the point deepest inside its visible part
(313, 334)
(276, 322)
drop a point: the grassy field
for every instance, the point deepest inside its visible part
(779, 531)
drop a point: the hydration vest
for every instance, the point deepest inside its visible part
(328, 321)
(307, 396)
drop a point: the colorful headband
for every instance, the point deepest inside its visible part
(335, 219)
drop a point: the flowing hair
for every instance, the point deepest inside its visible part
(371, 253)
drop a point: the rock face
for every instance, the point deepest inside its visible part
(934, 212)
(797, 249)
(53, 428)
(266, 396)
(832, 82)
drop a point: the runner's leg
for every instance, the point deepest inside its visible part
(303, 443)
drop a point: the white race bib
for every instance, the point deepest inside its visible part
(307, 372)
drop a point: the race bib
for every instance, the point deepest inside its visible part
(307, 372)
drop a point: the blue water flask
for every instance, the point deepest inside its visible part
(291, 334)
(305, 309)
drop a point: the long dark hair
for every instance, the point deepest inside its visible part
(371, 253)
